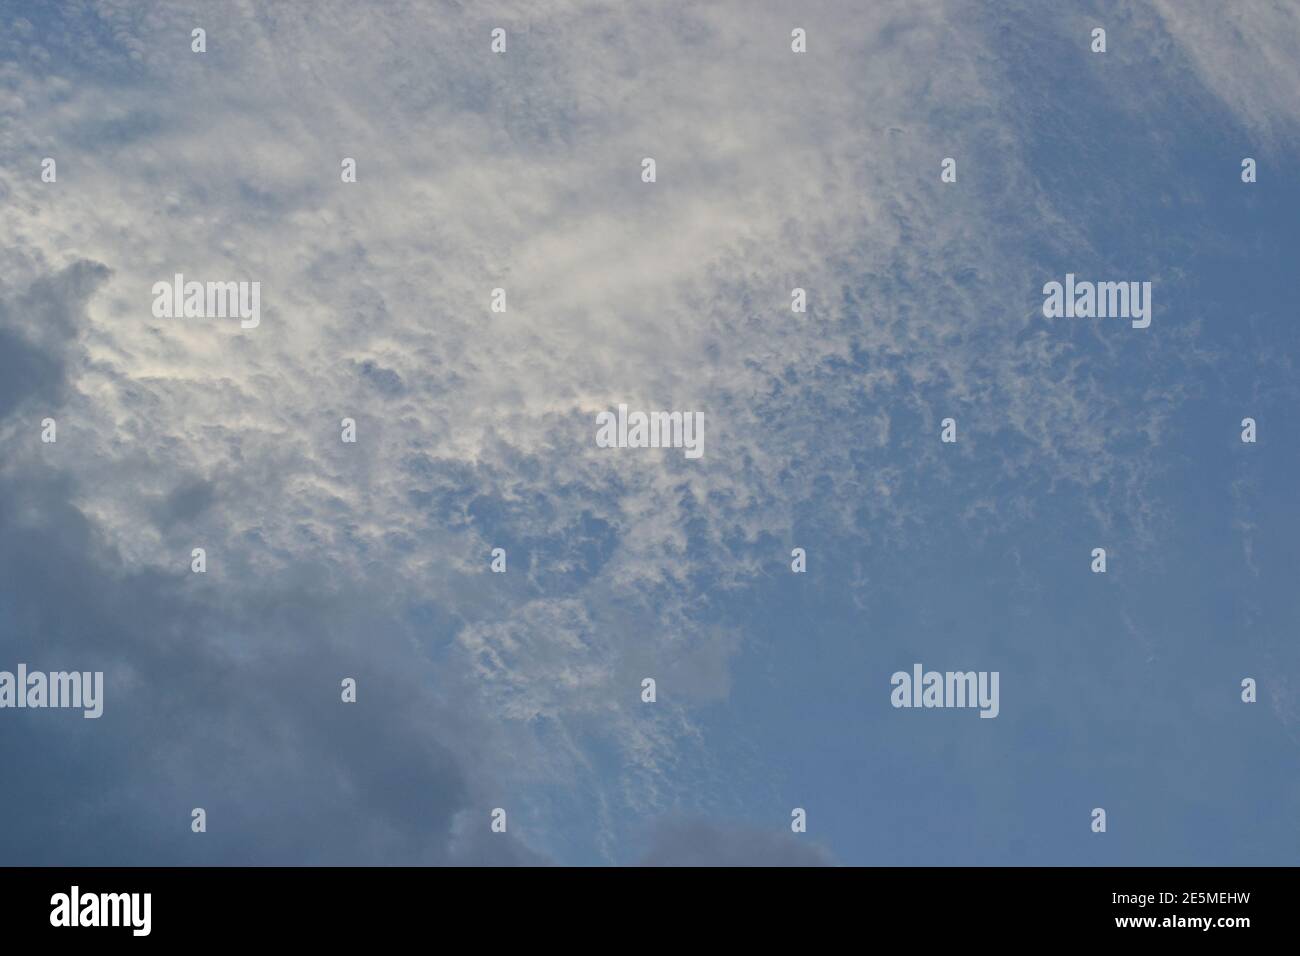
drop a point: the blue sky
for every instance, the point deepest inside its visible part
(477, 430)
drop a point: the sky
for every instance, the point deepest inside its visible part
(476, 429)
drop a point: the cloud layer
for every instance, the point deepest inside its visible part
(475, 429)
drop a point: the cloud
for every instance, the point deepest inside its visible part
(475, 429)
(1245, 54)
(225, 699)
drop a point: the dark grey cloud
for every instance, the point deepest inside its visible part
(225, 700)
(26, 372)
(384, 380)
(38, 330)
(187, 501)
